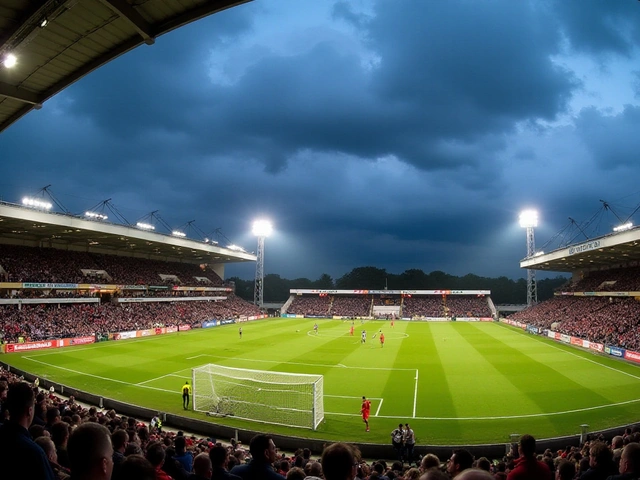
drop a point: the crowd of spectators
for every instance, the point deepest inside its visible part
(467, 306)
(46, 437)
(310, 305)
(357, 306)
(422, 307)
(49, 321)
(49, 265)
(612, 321)
(624, 279)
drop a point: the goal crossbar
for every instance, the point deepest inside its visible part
(281, 398)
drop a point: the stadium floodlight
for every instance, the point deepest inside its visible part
(529, 220)
(145, 226)
(35, 203)
(261, 229)
(95, 215)
(10, 60)
(291, 399)
(622, 228)
(178, 233)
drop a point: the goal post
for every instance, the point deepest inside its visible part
(291, 399)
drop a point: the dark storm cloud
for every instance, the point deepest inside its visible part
(614, 140)
(394, 133)
(599, 27)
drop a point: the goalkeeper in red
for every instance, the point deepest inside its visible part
(365, 410)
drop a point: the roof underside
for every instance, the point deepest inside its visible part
(613, 250)
(22, 226)
(60, 41)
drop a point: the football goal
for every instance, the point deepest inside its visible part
(291, 399)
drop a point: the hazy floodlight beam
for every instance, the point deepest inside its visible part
(262, 228)
(529, 218)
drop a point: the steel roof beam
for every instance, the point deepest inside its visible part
(131, 16)
(20, 94)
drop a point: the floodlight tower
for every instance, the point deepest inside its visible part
(261, 229)
(529, 220)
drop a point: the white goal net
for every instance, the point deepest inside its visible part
(291, 399)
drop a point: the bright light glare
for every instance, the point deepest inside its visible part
(529, 218)
(35, 203)
(262, 228)
(236, 248)
(96, 216)
(10, 60)
(622, 228)
(178, 233)
(145, 226)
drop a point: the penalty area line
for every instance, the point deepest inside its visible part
(101, 378)
(501, 417)
(379, 407)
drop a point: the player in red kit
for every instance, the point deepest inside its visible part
(351, 331)
(381, 339)
(365, 410)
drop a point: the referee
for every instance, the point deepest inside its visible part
(186, 391)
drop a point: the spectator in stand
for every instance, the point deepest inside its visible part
(20, 456)
(202, 469)
(60, 437)
(135, 467)
(475, 474)
(629, 463)
(601, 463)
(90, 452)
(219, 460)
(340, 461)
(428, 462)
(60, 472)
(155, 454)
(527, 467)
(566, 470)
(434, 474)
(460, 460)
(185, 458)
(119, 440)
(263, 454)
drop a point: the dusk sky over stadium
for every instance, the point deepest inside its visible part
(397, 134)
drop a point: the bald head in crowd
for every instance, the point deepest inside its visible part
(90, 452)
(475, 474)
(339, 461)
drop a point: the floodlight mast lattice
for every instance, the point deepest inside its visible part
(261, 229)
(529, 220)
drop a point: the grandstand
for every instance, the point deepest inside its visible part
(388, 304)
(598, 308)
(66, 276)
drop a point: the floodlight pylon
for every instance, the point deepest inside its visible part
(262, 229)
(529, 220)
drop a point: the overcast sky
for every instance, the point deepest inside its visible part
(397, 134)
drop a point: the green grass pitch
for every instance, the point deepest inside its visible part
(455, 383)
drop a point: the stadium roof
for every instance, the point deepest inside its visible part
(607, 251)
(57, 42)
(25, 226)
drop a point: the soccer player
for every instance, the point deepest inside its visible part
(351, 331)
(315, 328)
(186, 391)
(381, 339)
(365, 410)
(363, 336)
(240, 332)
(392, 322)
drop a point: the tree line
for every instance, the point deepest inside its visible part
(503, 290)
